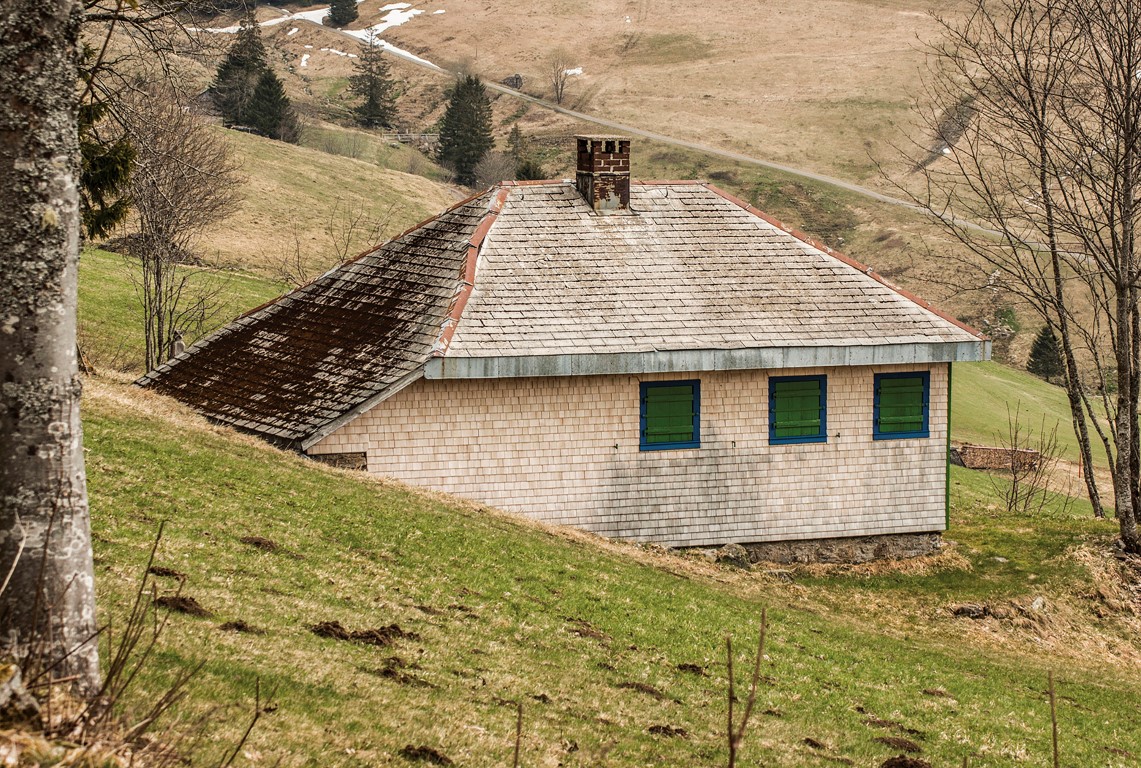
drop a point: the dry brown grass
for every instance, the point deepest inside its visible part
(291, 192)
(815, 85)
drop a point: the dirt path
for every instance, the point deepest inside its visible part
(630, 130)
(633, 131)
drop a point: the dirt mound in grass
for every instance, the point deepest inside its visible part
(182, 604)
(379, 636)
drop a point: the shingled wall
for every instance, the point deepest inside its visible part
(565, 450)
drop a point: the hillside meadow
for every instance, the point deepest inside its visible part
(615, 651)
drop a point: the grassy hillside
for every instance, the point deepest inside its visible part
(828, 86)
(294, 195)
(607, 646)
(110, 310)
(986, 395)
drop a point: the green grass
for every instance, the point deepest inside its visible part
(1007, 556)
(670, 48)
(110, 310)
(500, 610)
(985, 395)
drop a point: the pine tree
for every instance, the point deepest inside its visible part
(1045, 355)
(341, 13)
(465, 131)
(106, 170)
(530, 169)
(270, 111)
(374, 84)
(238, 74)
(516, 143)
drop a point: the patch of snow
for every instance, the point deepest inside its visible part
(292, 32)
(395, 14)
(309, 47)
(946, 150)
(572, 72)
(317, 16)
(437, 13)
(215, 30)
(305, 59)
(394, 18)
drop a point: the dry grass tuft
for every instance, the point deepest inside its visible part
(1115, 585)
(28, 748)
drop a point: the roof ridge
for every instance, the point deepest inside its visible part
(467, 282)
(842, 258)
(371, 249)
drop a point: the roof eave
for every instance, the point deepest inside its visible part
(333, 425)
(700, 360)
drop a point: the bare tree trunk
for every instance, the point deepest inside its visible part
(47, 602)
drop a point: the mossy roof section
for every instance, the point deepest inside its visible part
(292, 366)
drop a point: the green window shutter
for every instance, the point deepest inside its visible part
(670, 414)
(797, 409)
(901, 404)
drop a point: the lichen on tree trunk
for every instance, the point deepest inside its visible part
(47, 607)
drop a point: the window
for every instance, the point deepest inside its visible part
(671, 415)
(901, 405)
(798, 409)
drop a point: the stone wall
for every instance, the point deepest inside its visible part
(989, 457)
(857, 549)
(566, 450)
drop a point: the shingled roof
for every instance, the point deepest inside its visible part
(350, 337)
(527, 279)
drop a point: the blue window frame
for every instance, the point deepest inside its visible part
(901, 405)
(671, 415)
(798, 409)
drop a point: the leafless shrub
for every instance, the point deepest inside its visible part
(518, 733)
(585, 96)
(349, 229)
(104, 729)
(1053, 722)
(629, 40)
(493, 168)
(347, 144)
(735, 731)
(1032, 458)
(184, 181)
(559, 65)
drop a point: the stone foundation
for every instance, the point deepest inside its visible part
(352, 460)
(856, 549)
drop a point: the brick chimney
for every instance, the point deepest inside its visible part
(603, 177)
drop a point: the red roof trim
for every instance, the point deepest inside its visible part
(846, 260)
(459, 301)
